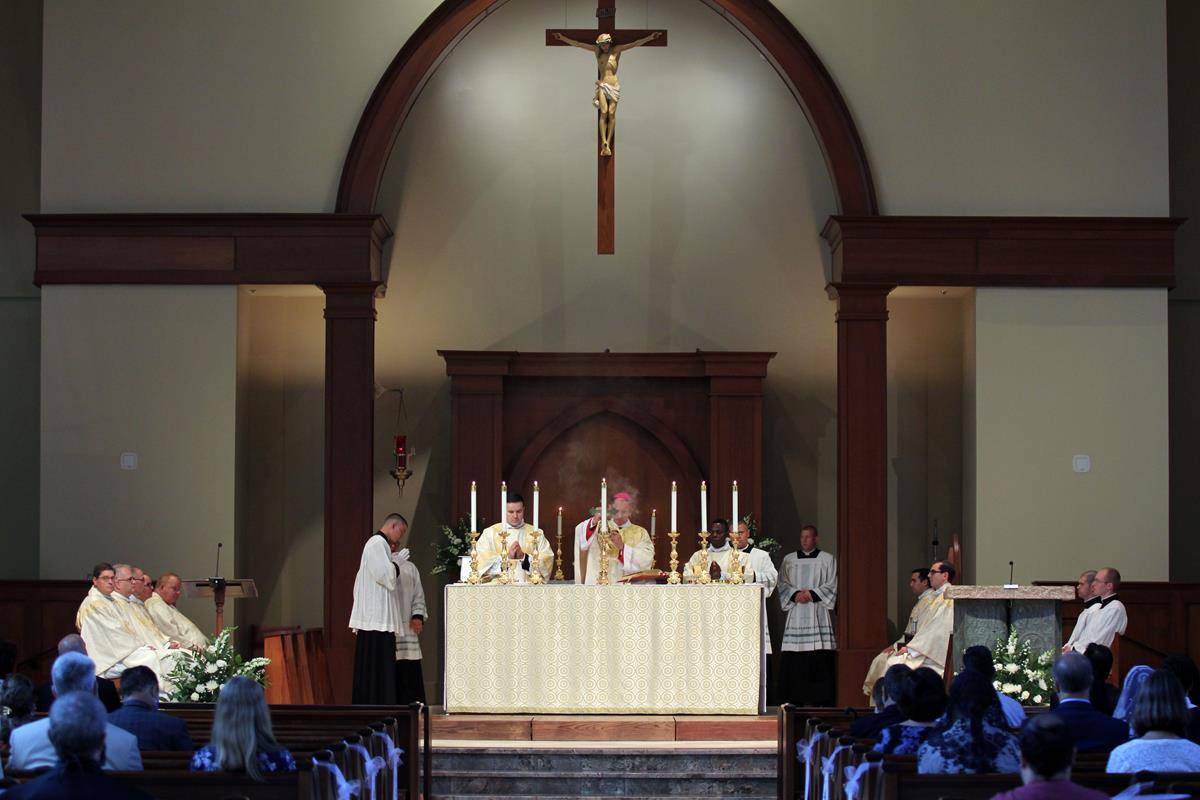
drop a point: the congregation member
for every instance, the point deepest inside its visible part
(1047, 754)
(518, 540)
(1092, 730)
(973, 738)
(410, 621)
(1105, 618)
(922, 702)
(718, 551)
(887, 710)
(30, 745)
(16, 706)
(111, 641)
(808, 596)
(81, 739)
(106, 690)
(1085, 590)
(1184, 669)
(1130, 689)
(928, 647)
(630, 548)
(242, 737)
(139, 714)
(374, 615)
(1160, 725)
(161, 605)
(978, 658)
(918, 584)
(1103, 695)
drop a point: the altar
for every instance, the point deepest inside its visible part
(620, 649)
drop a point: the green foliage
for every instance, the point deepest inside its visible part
(772, 546)
(454, 544)
(1020, 674)
(198, 675)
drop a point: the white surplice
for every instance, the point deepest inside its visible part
(1099, 623)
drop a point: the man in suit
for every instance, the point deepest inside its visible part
(139, 714)
(106, 690)
(77, 730)
(30, 744)
(1093, 732)
(872, 725)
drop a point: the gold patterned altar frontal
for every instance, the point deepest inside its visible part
(571, 649)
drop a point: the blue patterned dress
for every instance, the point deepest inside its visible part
(903, 740)
(205, 760)
(952, 751)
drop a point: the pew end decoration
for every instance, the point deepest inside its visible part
(198, 675)
(1020, 673)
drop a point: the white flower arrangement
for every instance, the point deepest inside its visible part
(1021, 674)
(199, 675)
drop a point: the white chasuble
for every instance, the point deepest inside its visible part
(175, 624)
(928, 647)
(879, 664)
(636, 554)
(809, 626)
(489, 551)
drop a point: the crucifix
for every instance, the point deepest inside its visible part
(609, 44)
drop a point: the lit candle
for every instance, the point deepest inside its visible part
(703, 506)
(473, 526)
(734, 521)
(604, 505)
(653, 521)
(503, 504)
(560, 522)
(674, 497)
(535, 503)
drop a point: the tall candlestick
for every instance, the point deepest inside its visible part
(474, 527)
(703, 506)
(558, 573)
(653, 536)
(674, 497)
(535, 502)
(503, 505)
(734, 522)
(604, 505)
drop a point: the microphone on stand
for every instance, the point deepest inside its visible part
(1010, 584)
(217, 581)
(217, 571)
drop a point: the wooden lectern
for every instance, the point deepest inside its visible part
(219, 589)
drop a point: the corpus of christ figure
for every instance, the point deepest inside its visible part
(608, 88)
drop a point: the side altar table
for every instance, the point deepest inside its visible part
(564, 648)
(983, 614)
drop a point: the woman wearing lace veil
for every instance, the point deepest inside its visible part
(1127, 702)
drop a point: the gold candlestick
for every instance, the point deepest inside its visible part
(703, 577)
(504, 577)
(736, 574)
(473, 578)
(535, 573)
(602, 578)
(673, 577)
(558, 573)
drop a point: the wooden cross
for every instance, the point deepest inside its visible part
(606, 15)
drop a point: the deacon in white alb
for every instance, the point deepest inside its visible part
(374, 616)
(1104, 620)
(519, 542)
(808, 595)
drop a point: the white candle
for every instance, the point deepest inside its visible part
(604, 505)
(535, 504)
(734, 521)
(704, 506)
(560, 522)
(473, 526)
(653, 521)
(674, 497)
(503, 504)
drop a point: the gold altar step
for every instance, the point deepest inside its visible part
(602, 728)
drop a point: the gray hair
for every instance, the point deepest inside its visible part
(242, 727)
(118, 567)
(73, 672)
(72, 643)
(1073, 673)
(77, 726)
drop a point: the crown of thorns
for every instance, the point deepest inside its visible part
(604, 37)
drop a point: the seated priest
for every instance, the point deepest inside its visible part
(136, 608)
(1101, 623)
(631, 552)
(718, 549)
(169, 619)
(111, 641)
(928, 647)
(918, 583)
(518, 541)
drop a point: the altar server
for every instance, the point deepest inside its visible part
(1104, 620)
(519, 541)
(374, 615)
(1085, 590)
(111, 642)
(169, 619)
(808, 595)
(410, 619)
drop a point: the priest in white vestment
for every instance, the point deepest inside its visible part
(111, 642)
(1103, 621)
(169, 619)
(808, 595)
(374, 615)
(918, 584)
(719, 551)
(518, 539)
(928, 647)
(632, 553)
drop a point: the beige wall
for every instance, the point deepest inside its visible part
(20, 143)
(142, 369)
(1063, 372)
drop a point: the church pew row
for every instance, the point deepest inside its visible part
(180, 784)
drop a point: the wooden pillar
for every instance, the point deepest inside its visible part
(862, 484)
(349, 441)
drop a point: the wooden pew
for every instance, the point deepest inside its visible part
(796, 724)
(902, 784)
(175, 784)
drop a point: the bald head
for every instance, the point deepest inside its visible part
(169, 587)
(72, 643)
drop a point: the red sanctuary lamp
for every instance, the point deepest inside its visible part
(401, 472)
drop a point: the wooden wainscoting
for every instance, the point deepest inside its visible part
(35, 615)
